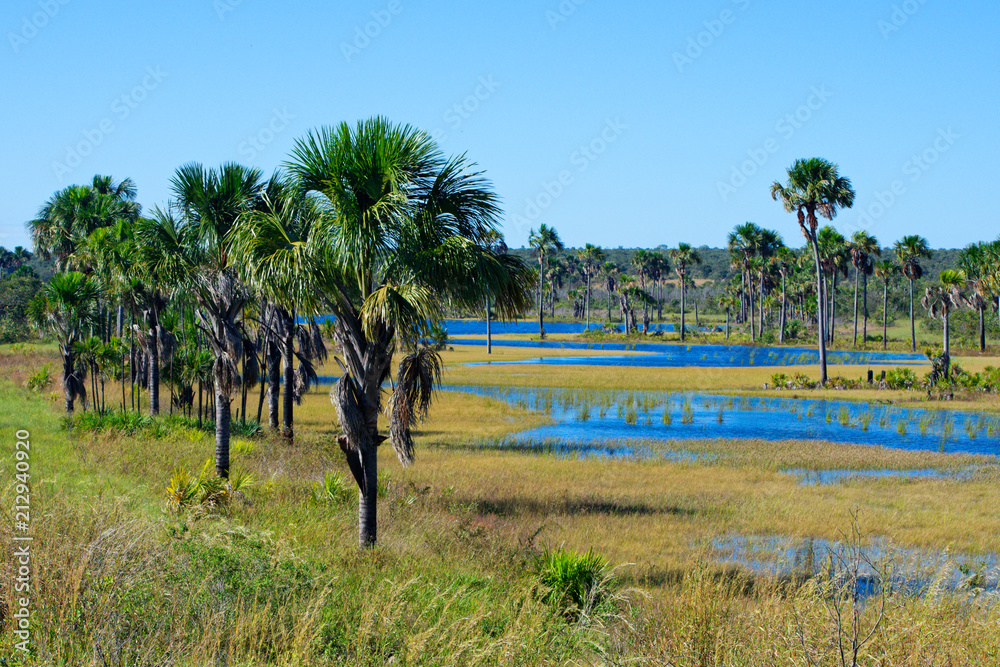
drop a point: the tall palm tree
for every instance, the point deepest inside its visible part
(545, 242)
(769, 242)
(405, 232)
(609, 281)
(863, 247)
(940, 300)
(815, 188)
(909, 251)
(591, 257)
(643, 262)
(744, 244)
(67, 305)
(834, 257)
(981, 262)
(727, 301)
(211, 202)
(494, 240)
(784, 261)
(683, 257)
(885, 269)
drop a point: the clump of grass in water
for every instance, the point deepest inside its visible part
(688, 416)
(584, 412)
(718, 416)
(947, 427)
(844, 416)
(829, 416)
(901, 427)
(924, 424)
(667, 419)
(971, 428)
(864, 419)
(631, 416)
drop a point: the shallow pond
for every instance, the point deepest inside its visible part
(673, 355)
(478, 327)
(913, 571)
(592, 417)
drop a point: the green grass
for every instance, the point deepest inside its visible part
(274, 575)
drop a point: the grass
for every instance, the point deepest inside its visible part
(275, 577)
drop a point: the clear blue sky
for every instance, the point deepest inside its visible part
(619, 123)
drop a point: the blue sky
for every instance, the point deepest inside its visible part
(620, 124)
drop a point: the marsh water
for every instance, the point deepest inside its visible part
(602, 420)
(674, 355)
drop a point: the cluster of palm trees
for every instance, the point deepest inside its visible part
(369, 223)
(12, 260)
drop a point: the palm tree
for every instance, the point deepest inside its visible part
(815, 187)
(643, 261)
(271, 246)
(940, 300)
(494, 240)
(211, 202)
(769, 242)
(727, 301)
(71, 214)
(885, 269)
(909, 251)
(591, 256)
(862, 247)
(834, 257)
(744, 244)
(67, 305)
(609, 275)
(683, 256)
(981, 262)
(405, 233)
(545, 241)
(784, 260)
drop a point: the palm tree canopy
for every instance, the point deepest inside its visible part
(814, 187)
(909, 251)
(684, 256)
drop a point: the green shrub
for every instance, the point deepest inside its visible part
(900, 378)
(579, 584)
(333, 489)
(40, 380)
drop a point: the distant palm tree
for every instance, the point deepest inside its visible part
(863, 247)
(909, 251)
(591, 257)
(834, 257)
(940, 300)
(743, 244)
(494, 241)
(406, 234)
(683, 257)
(211, 202)
(815, 187)
(784, 261)
(609, 281)
(981, 264)
(885, 269)
(67, 305)
(545, 242)
(727, 301)
(768, 243)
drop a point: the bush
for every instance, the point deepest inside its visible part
(333, 489)
(900, 378)
(40, 380)
(579, 584)
(186, 490)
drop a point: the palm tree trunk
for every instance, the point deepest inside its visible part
(864, 315)
(760, 302)
(821, 306)
(982, 329)
(857, 280)
(833, 305)
(588, 300)
(784, 310)
(273, 383)
(727, 323)
(749, 313)
(222, 416)
(67, 354)
(288, 356)
(368, 499)
(541, 305)
(913, 330)
(947, 344)
(154, 366)
(683, 306)
(885, 312)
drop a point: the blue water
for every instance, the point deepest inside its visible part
(478, 327)
(604, 418)
(914, 571)
(671, 355)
